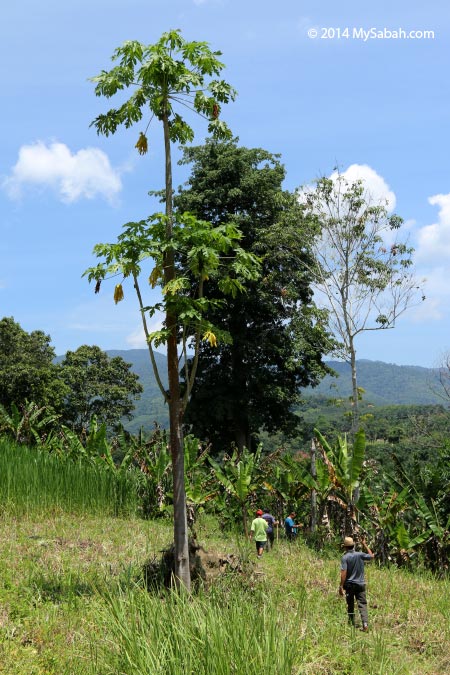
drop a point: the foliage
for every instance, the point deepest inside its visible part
(28, 425)
(169, 72)
(238, 475)
(429, 489)
(27, 371)
(276, 330)
(97, 386)
(343, 465)
(362, 270)
(200, 249)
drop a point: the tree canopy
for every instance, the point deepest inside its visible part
(27, 369)
(99, 386)
(276, 330)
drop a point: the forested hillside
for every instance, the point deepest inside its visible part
(383, 383)
(150, 408)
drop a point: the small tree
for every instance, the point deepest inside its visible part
(168, 73)
(27, 368)
(99, 386)
(362, 270)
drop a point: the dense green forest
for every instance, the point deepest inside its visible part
(384, 385)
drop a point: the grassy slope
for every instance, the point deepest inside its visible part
(54, 619)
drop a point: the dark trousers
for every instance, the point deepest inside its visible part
(270, 539)
(357, 591)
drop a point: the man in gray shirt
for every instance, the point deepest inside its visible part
(352, 580)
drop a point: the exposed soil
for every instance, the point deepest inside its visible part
(205, 566)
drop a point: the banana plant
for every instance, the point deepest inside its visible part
(94, 448)
(28, 424)
(342, 470)
(199, 490)
(237, 475)
(385, 516)
(291, 480)
(429, 497)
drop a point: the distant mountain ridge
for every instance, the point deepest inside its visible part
(150, 408)
(383, 384)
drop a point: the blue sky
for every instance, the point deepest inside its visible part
(380, 103)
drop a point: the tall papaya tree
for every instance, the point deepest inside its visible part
(166, 76)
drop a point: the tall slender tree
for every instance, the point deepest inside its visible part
(169, 75)
(363, 271)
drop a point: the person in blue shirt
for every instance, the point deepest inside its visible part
(270, 530)
(291, 527)
(353, 582)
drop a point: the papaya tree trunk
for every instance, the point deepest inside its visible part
(182, 570)
(313, 520)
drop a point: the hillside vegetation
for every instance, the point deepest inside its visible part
(383, 383)
(150, 407)
(71, 604)
(73, 599)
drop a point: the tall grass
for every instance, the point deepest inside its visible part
(34, 481)
(221, 632)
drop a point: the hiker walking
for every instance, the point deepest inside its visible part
(258, 529)
(291, 527)
(269, 518)
(352, 580)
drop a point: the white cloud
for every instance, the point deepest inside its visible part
(376, 187)
(136, 340)
(84, 174)
(434, 240)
